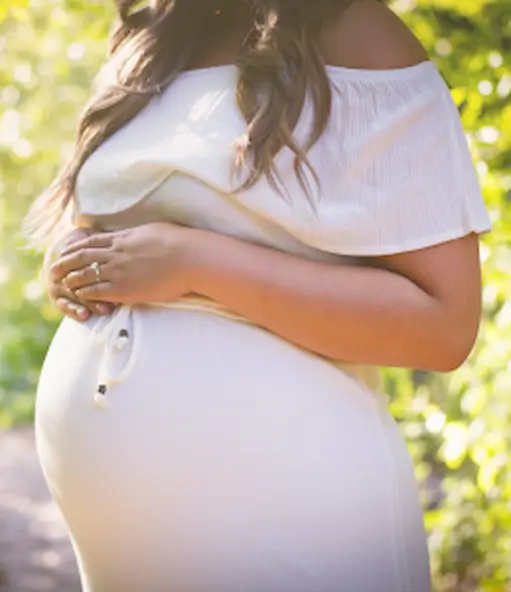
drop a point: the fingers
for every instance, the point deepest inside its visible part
(100, 291)
(91, 242)
(72, 309)
(101, 309)
(67, 303)
(80, 312)
(76, 235)
(73, 270)
(75, 261)
(84, 277)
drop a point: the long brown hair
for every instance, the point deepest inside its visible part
(279, 65)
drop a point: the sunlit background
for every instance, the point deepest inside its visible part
(458, 427)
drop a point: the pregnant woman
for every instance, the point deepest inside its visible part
(273, 198)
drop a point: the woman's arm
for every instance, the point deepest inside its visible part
(418, 310)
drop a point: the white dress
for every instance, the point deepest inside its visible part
(227, 459)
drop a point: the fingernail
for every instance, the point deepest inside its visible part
(103, 309)
(79, 310)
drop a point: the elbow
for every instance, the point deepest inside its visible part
(455, 346)
(452, 360)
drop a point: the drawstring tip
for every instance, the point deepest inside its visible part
(100, 396)
(122, 339)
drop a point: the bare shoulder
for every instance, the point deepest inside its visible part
(369, 35)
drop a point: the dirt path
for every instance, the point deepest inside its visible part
(35, 554)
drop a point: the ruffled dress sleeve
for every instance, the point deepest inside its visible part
(395, 166)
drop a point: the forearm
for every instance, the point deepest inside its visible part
(357, 314)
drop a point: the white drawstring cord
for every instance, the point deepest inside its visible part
(113, 333)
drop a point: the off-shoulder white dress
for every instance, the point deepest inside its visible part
(227, 459)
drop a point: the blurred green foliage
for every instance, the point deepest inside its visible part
(458, 427)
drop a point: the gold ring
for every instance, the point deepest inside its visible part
(96, 267)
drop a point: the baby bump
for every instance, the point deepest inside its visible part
(228, 428)
(186, 375)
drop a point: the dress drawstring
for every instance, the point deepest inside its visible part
(123, 327)
(113, 334)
